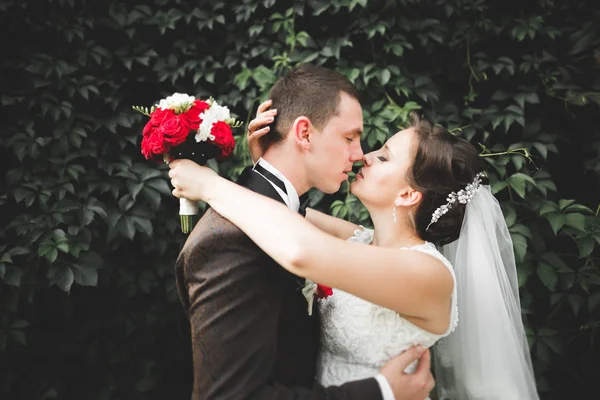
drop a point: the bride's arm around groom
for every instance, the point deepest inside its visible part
(233, 295)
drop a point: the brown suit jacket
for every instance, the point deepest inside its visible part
(252, 337)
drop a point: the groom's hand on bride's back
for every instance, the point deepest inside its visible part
(415, 386)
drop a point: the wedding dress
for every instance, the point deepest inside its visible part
(358, 337)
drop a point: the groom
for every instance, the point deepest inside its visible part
(252, 337)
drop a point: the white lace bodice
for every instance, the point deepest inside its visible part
(358, 337)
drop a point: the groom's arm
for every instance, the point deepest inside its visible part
(234, 305)
(337, 227)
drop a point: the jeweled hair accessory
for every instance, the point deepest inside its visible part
(463, 197)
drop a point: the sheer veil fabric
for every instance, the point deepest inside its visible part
(487, 356)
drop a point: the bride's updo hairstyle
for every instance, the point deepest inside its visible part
(443, 164)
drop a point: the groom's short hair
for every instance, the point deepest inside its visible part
(306, 90)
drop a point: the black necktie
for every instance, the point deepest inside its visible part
(303, 204)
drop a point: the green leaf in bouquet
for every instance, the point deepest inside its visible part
(144, 110)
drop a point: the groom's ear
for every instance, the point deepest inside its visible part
(302, 129)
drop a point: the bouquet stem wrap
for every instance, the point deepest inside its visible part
(187, 208)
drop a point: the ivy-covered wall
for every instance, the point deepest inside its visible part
(88, 307)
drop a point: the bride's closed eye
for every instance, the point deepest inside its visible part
(381, 158)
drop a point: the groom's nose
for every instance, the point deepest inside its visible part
(357, 153)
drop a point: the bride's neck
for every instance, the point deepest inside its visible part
(394, 234)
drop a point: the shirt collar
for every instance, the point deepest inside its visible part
(292, 194)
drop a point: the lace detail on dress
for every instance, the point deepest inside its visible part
(358, 337)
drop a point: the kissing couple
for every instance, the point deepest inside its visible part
(437, 269)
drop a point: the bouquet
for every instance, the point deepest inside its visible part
(182, 126)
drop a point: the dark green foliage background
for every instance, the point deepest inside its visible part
(88, 307)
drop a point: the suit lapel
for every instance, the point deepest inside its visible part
(257, 183)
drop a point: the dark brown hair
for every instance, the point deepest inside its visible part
(443, 163)
(306, 90)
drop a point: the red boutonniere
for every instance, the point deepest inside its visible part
(323, 291)
(312, 290)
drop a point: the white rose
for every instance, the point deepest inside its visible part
(178, 102)
(214, 114)
(203, 132)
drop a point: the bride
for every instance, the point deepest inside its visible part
(393, 287)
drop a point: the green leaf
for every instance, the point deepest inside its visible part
(338, 209)
(576, 301)
(63, 246)
(385, 76)
(580, 208)
(518, 183)
(523, 273)
(576, 221)
(85, 275)
(548, 208)
(547, 275)
(557, 221)
(586, 246)
(562, 204)
(51, 253)
(18, 337)
(555, 261)
(520, 246)
(19, 324)
(13, 276)
(160, 186)
(593, 301)
(497, 186)
(522, 229)
(61, 276)
(554, 343)
(541, 148)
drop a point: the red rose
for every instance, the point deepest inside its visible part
(192, 115)
(154, 145)
(175, 130)
(223, 138)
(148, 128)
(159, 115)
(323, 291)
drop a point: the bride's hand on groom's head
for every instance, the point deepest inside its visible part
(190, 180)
(259, 127)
